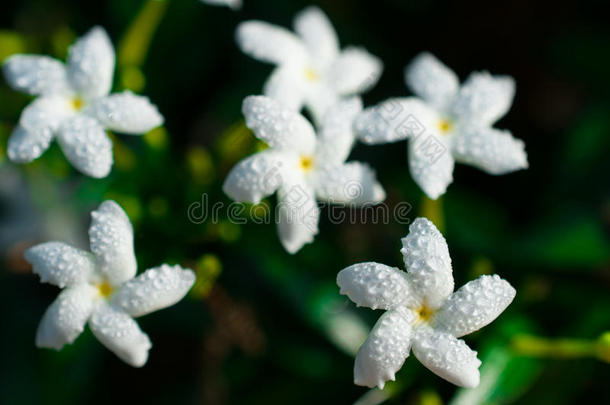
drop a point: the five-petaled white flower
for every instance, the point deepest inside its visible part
(301, 166)
(234, 4)
(449, 123)
(99, 288)
(422, 311)
(75, 106)
(311, 69)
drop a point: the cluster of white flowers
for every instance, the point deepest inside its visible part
(450, 123)
(304, 163)
(311, 72)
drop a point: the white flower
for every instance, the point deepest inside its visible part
(447, 123)
(75, 106)
(422, 311)
(301, 167)
(311, 69)
(99, 288)
(234, 4)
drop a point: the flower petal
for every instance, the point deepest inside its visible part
(91, 64)
(428, 264)
(278, 126)
(270, 43)
(318, 34)
(431, 80)
(60, 264)
(37, 125)
(25, 146)
(385, 350)
(431, 164)
(234, 4)
(394, 120)
(36, 75)
(120, 334)
(111, 239)
(474, 305)
(336, 138)
(255, 177)
(298, 216)
(490, 149)
(376, 286)
(285, 86)
(126, 112)
(350, 183)
(319, 100)
(355, 71)
(86, 146)
(448, 357)
(483, 99)
(156, 288)
(45, 113)
(65, 319)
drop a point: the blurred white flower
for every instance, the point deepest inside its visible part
(74, 105)
(422, 311)
(447, 123)
(234, 4)
(302, 167)
(99, 288)
(311, 69)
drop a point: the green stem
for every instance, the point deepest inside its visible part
(134, 45)
(433, 210)
(563, 348)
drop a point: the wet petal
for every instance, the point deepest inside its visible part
(65, 319)
(60, 264)
(91, 64)
(376, 285)
(126, 112)
(492, 150)
(474, 305)
(385, 350)
(278, 126)
(448, 357)
(120, 334)
(111, 239)
(426, 257)
(86, 145)
(431, 80)
(36, 75)
(156, 288)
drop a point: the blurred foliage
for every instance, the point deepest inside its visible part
(262, 326)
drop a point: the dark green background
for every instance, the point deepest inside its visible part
(262, 334)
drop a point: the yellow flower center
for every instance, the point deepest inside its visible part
(424, 314)
(445, 126)
(105, 289)
(306, 163)
(311, 75)
(77, 103)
